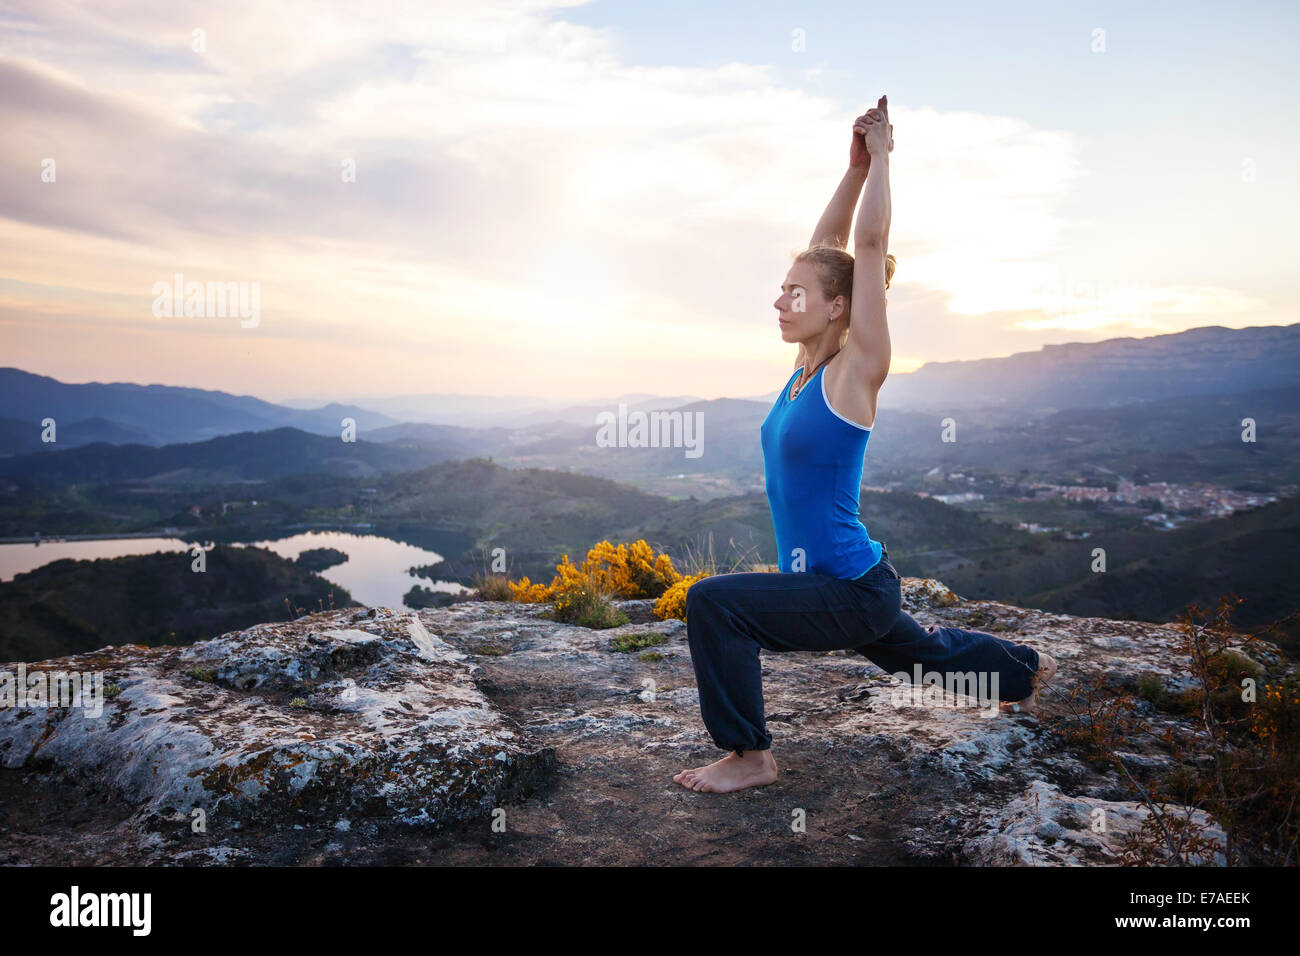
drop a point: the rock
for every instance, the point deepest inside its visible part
(511, 738)
(311, 718)
(1045, 827)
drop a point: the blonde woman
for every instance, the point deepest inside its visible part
(836, 588)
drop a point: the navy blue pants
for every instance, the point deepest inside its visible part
(730, 616)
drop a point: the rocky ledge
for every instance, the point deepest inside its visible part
(484, 732)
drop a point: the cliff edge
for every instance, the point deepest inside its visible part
(484, 732)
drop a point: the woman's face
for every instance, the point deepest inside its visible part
(801, 308)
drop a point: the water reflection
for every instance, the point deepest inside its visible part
(375, 572)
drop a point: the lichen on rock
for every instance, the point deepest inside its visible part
(388, 722)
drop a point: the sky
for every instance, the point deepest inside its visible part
(583, 200)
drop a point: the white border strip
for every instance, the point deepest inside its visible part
(865, 428)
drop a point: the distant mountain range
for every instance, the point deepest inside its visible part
(509, 411)
(150, 414)
(247, 456)
(1017, 389)
(1206, 361)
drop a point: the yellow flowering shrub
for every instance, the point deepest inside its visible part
(672, 603)
(525, 592)
(623, 571)
(1273, 720)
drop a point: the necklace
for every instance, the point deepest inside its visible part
(798, 386)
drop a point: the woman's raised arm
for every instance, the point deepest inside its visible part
(868, 345)
(834, 223)
(873, 218)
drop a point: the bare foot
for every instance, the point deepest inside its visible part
(1046, 671)
(733, 772)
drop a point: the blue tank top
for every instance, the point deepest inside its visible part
(812, 462)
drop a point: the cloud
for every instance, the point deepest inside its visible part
(514, 182)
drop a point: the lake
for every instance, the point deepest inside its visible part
(375, 573)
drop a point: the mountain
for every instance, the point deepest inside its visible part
(17, 437)
(1202, 361)
(246, 456)
(1188, 438)
(1153, 576)
(1183, 439)
(509, 411)
(156, 414)
(1169, 407)
(1084, 375)
(457, 441)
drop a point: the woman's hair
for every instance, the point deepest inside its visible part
(835, 270)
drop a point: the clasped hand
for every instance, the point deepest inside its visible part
(873, 134)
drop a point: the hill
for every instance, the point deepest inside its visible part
(69, 607)
(247, 456)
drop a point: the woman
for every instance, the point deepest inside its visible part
(836, 588)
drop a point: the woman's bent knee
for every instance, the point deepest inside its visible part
(703, 589)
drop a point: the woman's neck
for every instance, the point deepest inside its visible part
(814, 360)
